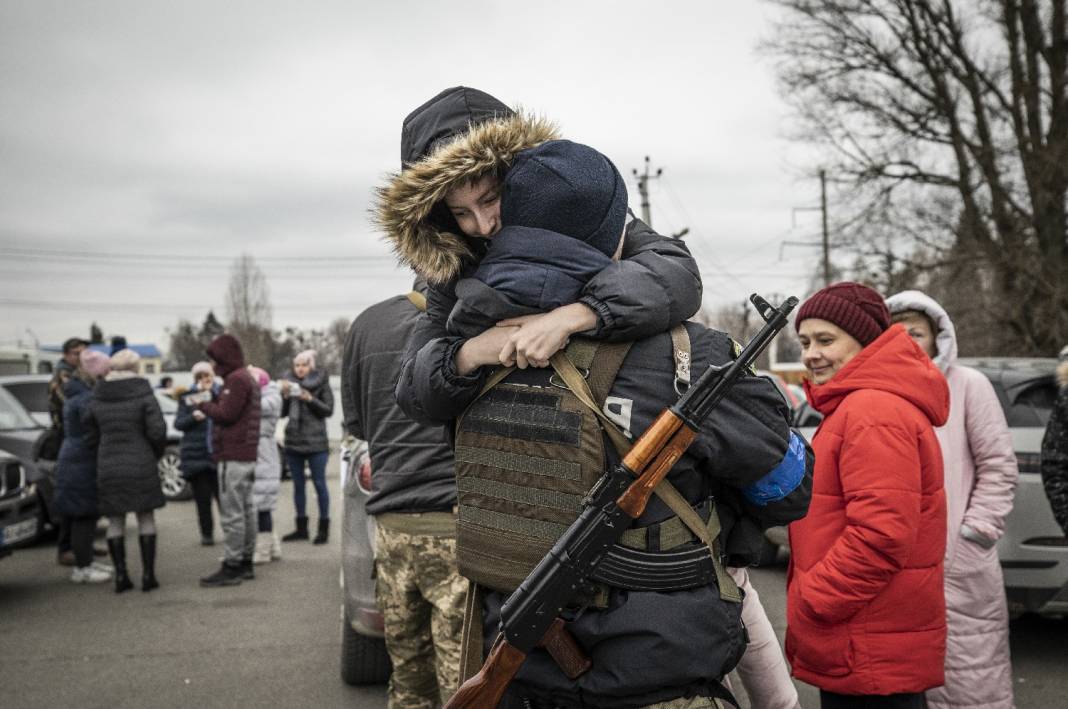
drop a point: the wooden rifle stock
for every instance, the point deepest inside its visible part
(487, 687)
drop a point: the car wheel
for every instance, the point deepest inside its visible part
(175, 487)
(364, 659)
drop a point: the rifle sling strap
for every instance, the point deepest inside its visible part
(471, 636)
(706, 532)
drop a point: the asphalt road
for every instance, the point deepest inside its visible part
(272, 642)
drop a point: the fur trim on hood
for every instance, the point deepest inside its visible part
(402, 206)
(945, 338)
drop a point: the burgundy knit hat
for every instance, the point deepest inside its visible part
(857, 309)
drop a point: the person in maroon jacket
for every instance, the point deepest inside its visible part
(235, 411)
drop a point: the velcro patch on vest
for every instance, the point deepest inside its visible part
(525, 415)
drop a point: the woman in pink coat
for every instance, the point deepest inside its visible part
(980, 480)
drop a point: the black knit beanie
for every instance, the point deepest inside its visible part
(855, 308)
(567, 188)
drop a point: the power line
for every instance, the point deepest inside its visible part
(74, 255)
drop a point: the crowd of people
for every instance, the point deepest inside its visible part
(546, 329)
(111, 434)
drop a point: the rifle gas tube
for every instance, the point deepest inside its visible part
(615, 500)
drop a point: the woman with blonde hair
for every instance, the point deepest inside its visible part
(307, 402)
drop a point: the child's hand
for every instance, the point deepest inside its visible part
(541, 336)
(482, 349)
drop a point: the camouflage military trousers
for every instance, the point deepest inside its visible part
(422, 596)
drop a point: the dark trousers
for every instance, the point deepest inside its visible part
(264, 521)
(82, 530)
(830, 700)
(316, 463)
(63, 532)
(205, 488)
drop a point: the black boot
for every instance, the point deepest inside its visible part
(300, 533)
(247, 572)
(323, 533)
(148, 562)
(117, 547)
(227, 575)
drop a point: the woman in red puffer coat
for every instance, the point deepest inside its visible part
(865, 608)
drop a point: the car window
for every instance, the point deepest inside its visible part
(12, 416)
(1032, 404)
(32, 395)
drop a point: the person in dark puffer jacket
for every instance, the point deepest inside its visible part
(197, 464)
(308, 402)
(125, 424)
(438, 212)
(1055, 449)
(235, 415)
(75, 496)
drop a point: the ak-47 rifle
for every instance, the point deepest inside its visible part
(614, 501)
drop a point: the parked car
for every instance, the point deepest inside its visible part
(18, 433)
(18, 504)
(31, 393)
(364, 659)
(1034, 551)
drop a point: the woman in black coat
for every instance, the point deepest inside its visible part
(308, 402)
(75, 494)
(125, 422)
(197, 464)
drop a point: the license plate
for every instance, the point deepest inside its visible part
(18, 532)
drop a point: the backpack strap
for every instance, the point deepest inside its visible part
(706, 532)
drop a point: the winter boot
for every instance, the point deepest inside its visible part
(276, 546)
(300, 533)
(117, 547)
(227, 575)
(148, 562)
(262, 555)
(323, 533)
(247, 572)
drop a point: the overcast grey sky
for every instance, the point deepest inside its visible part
(150, 143)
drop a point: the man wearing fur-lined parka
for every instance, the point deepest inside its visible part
(439, 211)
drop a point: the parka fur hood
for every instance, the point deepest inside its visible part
(403, 205)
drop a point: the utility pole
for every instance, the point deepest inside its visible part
(826, 237)
(825, 242)
(643, 189)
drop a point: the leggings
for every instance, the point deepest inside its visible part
(146, 524)
(81, 539)
(264, 522)
(317, 464)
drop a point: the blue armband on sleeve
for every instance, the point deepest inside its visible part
(783, 479)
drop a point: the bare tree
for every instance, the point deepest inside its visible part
(248, 306)
(945, 123)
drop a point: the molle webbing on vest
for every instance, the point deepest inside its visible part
(525, 458)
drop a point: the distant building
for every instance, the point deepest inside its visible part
(151, 358)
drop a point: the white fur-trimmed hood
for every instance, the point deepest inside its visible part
(403, 205)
